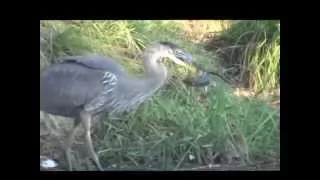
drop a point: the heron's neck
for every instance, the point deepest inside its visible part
(155, 72)
(155, 76)
(135, 90)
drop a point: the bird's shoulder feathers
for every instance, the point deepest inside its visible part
(97, 62)
(109, 82)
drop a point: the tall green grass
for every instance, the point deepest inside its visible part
(179, 126)
(174, 126)
(252, 49)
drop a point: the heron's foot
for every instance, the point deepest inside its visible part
(93, 155)
(95, 158)
(97, 162)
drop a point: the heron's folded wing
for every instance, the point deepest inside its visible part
(96, 62)
(106, 96)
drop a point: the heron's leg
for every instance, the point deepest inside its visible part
(69, 141)
(86, 119)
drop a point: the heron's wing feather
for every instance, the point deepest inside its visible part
(67, 88)
(106, 96)
(96, 62)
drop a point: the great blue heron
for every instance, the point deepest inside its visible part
(82, 87)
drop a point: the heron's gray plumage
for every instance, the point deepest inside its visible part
(84, 86)
(96, 62)
(66, 87)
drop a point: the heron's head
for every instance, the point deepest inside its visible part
(175, 53)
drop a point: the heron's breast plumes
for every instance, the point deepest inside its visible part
(129, 95)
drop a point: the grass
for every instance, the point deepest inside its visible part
(179, 126)
(251, 51)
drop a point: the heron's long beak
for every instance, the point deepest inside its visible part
(187, 59)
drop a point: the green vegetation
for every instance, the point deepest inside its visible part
(251, 51)
(180, 126)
